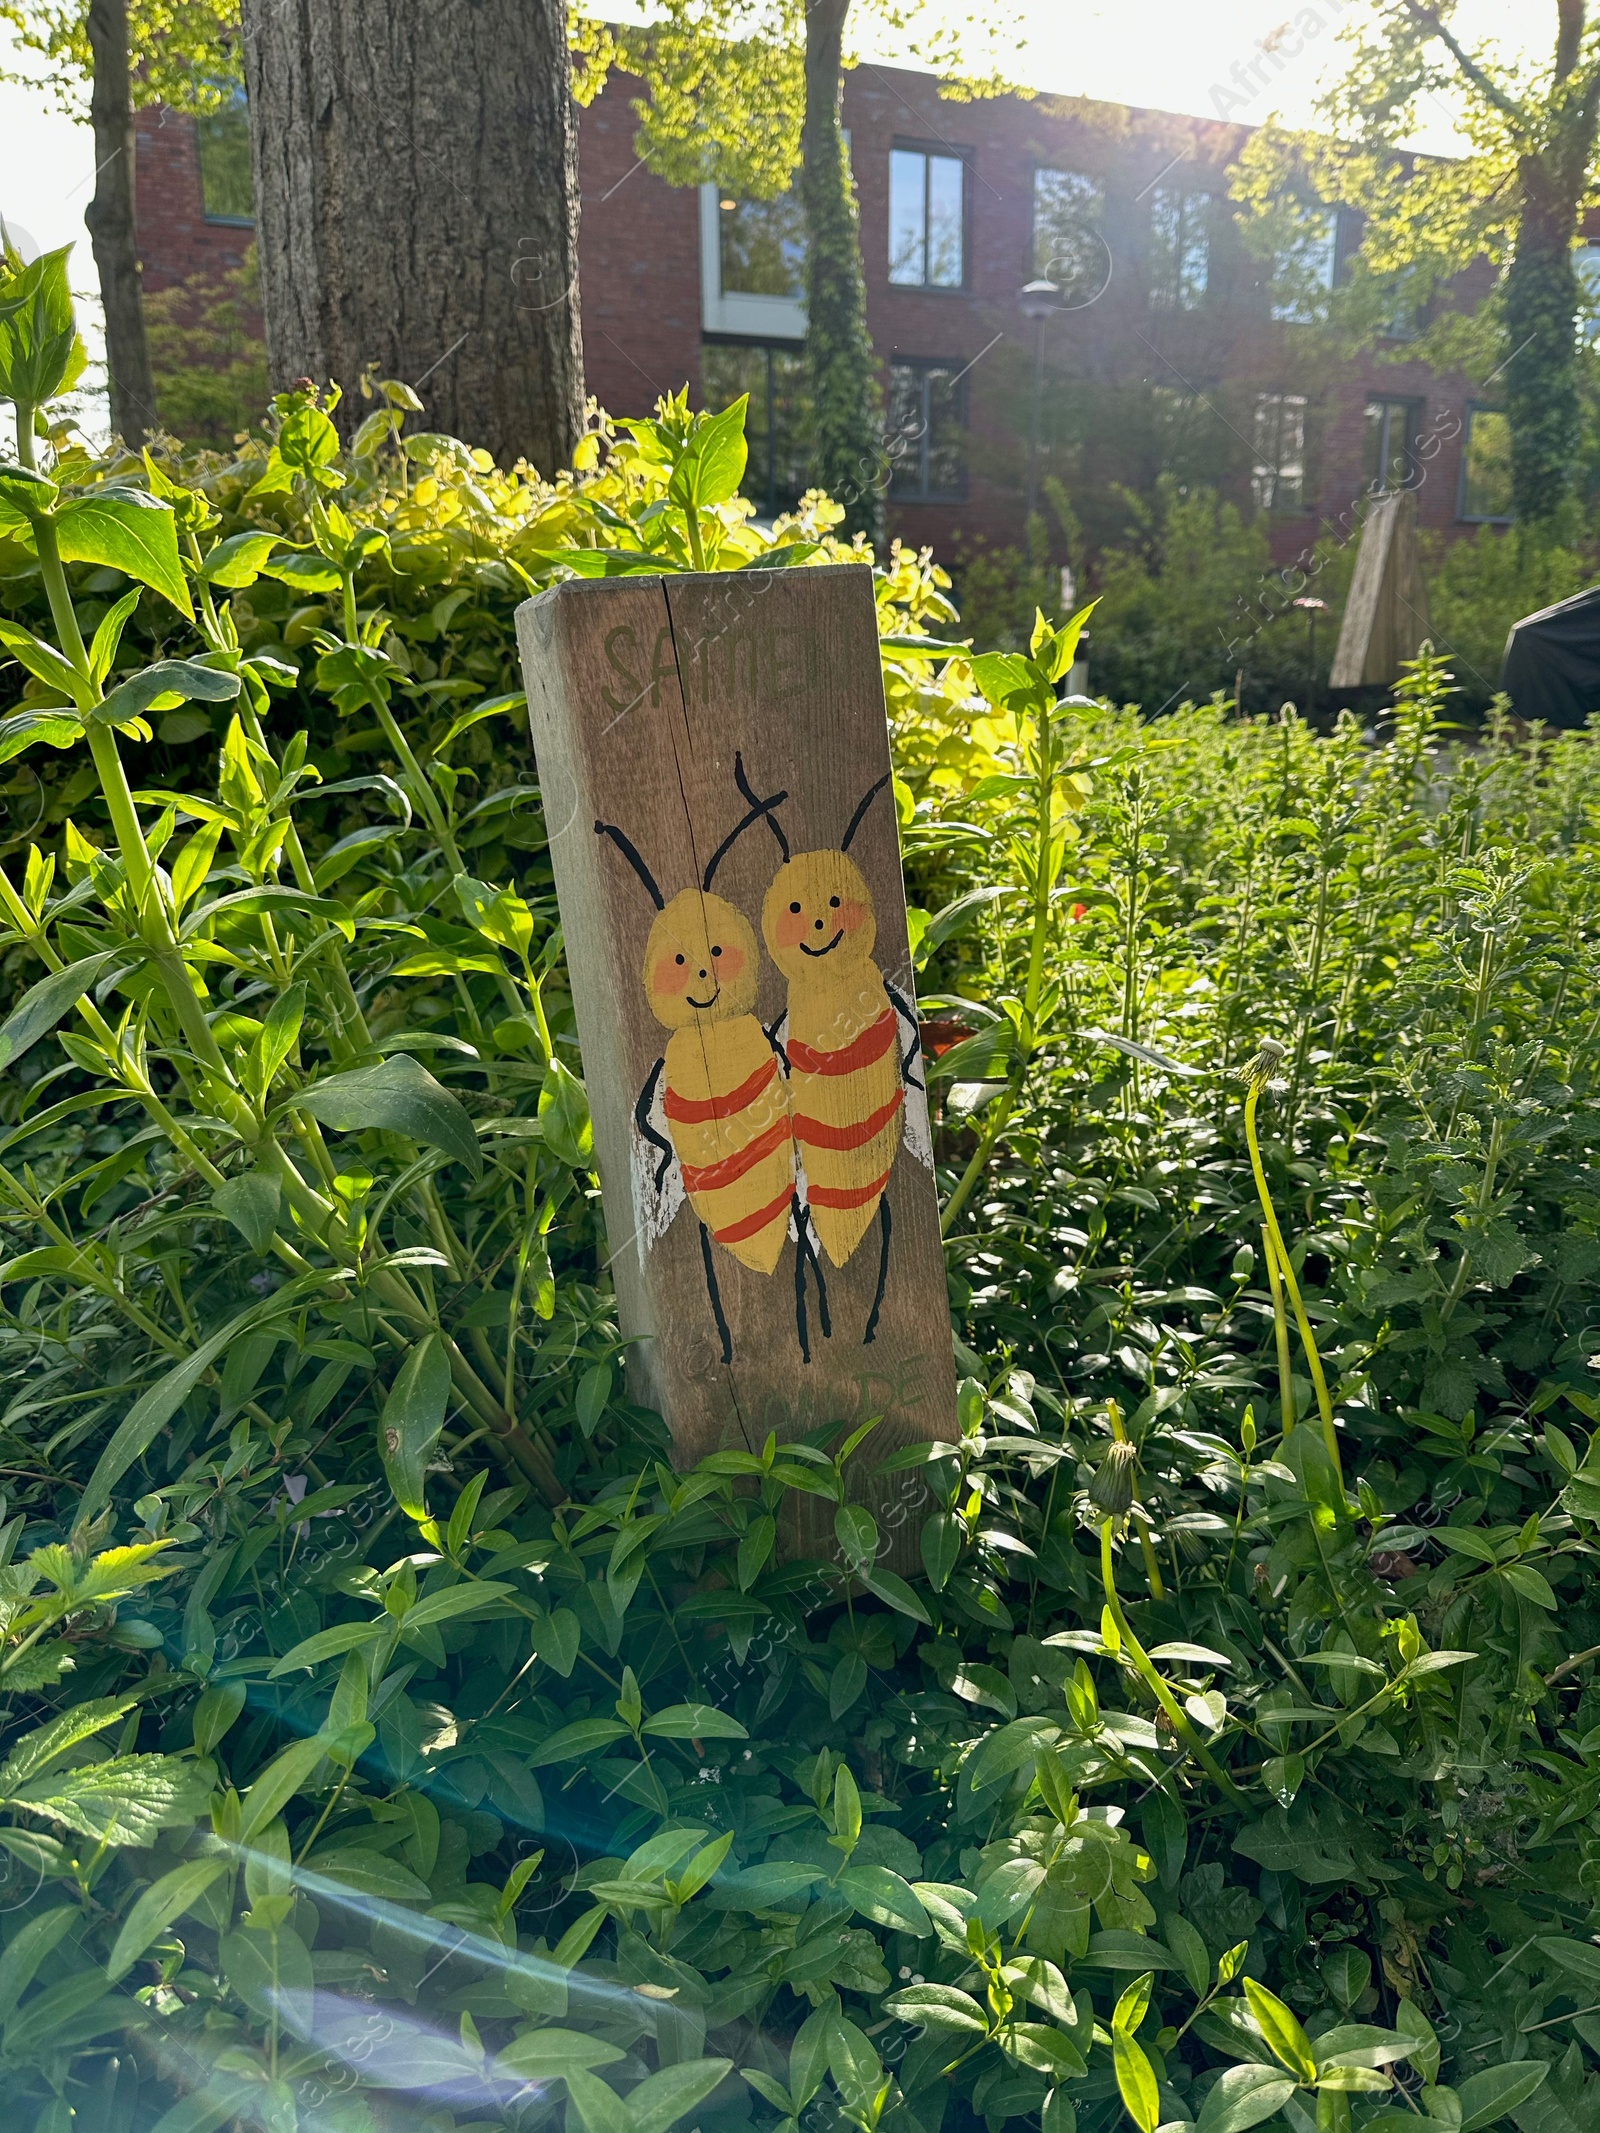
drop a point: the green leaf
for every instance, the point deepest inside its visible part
(937, 2007)
(1136, 2081)
(695, 1721)
(43, 661)
(127, 530)
(942, 1538)
(40, 352)
(157, 1907)
(451, 1604)
(304, 574)
(1531, 1583)
(331, 1644)
(583, 1737)
(27, 1949)
(594, 2104)
(43, 1005)
(413, 1415)
(551, 2054)
(278, 1783)
(57, 729)
(1191, 1952)
(270, 1970)
(853, 2063)
(238, 560)
(400, 1096)
(564, 1115)
(153, 1410)
(1043, 2050)
(660, 2100)
(1284, 2036)
(128, 1800)
(885, 1897)
(1243, 2096)
(1498, 2090)
(48, 1743)
(252, 1201)
(168, 682)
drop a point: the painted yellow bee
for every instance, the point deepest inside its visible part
(712, 1120)
(856, 1092)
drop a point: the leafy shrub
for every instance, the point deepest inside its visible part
(395, 1740)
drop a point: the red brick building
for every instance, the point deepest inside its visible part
(1166, 346)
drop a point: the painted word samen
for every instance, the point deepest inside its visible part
(778, 1134)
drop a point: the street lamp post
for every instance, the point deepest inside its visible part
(1037, 301)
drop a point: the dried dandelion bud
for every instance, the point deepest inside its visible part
(1265, 1065)
(1112, 1486)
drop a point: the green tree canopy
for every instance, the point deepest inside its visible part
(1516, 199)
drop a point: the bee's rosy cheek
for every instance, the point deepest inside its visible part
(669, 976)
(791, 927)
(853, 916)
(730, 965)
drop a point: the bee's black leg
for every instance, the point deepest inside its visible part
(715, 1294)
(886, 1225)
(822, 1286)
(800, 1281)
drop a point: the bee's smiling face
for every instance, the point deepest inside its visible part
(700, 964)
(818, 916)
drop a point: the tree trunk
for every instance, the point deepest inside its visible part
(417, 208)
(1541, 372)
(850, 461)
(109, 217)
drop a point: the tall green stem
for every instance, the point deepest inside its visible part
(1276, 1243)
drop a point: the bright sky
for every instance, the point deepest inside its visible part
(1173, 55)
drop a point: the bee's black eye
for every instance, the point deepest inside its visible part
(716, 951)
(833, 903)
(794, 907)
(680, 959)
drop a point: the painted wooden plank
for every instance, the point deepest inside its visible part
(713, 757)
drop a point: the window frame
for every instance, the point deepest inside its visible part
(767, 507)
(1414, 408)
(1156, 298)
(237, 109)
(1281, 398)
(931, 151)
(738, 316)
(926, 367)
(1465, 517)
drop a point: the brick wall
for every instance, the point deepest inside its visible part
(642, 316)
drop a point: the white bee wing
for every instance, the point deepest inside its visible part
(917, 1132)
(657, 1175)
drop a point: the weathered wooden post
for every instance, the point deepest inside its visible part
(1386, 614)
(713, 757)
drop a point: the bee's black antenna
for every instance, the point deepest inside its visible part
(759, 808)
(630, 852)
(860, 814)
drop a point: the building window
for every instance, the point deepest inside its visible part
(226, 192)
(1306, 268)
(926, 432)
(1068, 248)
(1486, 467)
(778, 425)
(1180, 247)
(927, 220)
(1278, 477)
(762, 247)
(1586, 265)
(1391, 444)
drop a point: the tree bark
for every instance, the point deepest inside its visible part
(110, 221)
(417, 208)
(1541, 372)
(847, 405)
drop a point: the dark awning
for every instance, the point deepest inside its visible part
(1552, 662)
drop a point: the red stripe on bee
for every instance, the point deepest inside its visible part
(817, 1135)
(872, 1043)
(846, 1196)
(711, 1177)
(700, 1111)
(752, 1225)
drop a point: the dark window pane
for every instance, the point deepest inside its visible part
(225, 188)
(1391, 444)
(1068, 248)
(1486, 465)
(777, 424)
(908, 217)
(925, 432)
(763, 247)
(1180, 247)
